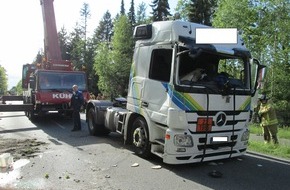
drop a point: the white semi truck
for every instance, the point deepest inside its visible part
(186, 102)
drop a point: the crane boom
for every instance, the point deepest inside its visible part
(51, 46)
(52, 53)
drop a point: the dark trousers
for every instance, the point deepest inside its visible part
(77, 119)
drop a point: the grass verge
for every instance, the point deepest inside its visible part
(280, 151)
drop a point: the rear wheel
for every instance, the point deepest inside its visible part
(140, 137)
(94, 128)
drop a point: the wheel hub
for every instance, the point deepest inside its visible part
(139, 137)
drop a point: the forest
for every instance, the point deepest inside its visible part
(106, 56)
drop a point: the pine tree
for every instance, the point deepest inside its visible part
(76, 47)
(131, 14)
(85, 14)
(122, 12)
(104, 31)
(63, 43)
(201, 11)
(141, 14)
(160, 10)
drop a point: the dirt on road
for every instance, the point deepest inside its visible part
(21, 148)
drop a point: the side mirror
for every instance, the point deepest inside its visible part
(258, 70)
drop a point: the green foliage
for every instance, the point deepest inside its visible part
(284, 133)
(182, 8)
(265, 30)
(122, 54)
(103, 68)
(3, 81)
(256, 129)
(89, 61)
(113, 61)
(63, 43)
(19, 90)
(235, 14)
(102, 35)
(76, 48)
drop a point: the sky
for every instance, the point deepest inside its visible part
(21, 34)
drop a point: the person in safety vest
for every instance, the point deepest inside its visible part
(269, 121)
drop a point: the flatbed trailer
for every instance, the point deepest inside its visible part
(4, 107)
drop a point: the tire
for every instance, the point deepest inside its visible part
(140, 138)
(31, 115)
(94, 128)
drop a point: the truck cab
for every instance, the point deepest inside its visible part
(50, 90)
(187, 102)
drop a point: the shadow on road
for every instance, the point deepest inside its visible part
(18, 130)
(59, 127)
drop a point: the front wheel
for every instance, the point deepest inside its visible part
(94, 128)
(140, 137)
(31, 115)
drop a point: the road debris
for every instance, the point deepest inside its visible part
(77, 180)
(6, 161)
(46, 176)
(156, 167)
(215, 174)
(135, 165)
(212, 163)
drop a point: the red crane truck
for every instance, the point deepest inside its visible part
(48, 85)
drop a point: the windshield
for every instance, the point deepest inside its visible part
(61, 80)
(218, 72)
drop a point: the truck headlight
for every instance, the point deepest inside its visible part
(183, 140)
(246, 135)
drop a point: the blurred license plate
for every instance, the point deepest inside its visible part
(219, 139)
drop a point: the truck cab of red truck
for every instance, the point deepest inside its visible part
(47, 85)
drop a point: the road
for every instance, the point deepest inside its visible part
(76, 160)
